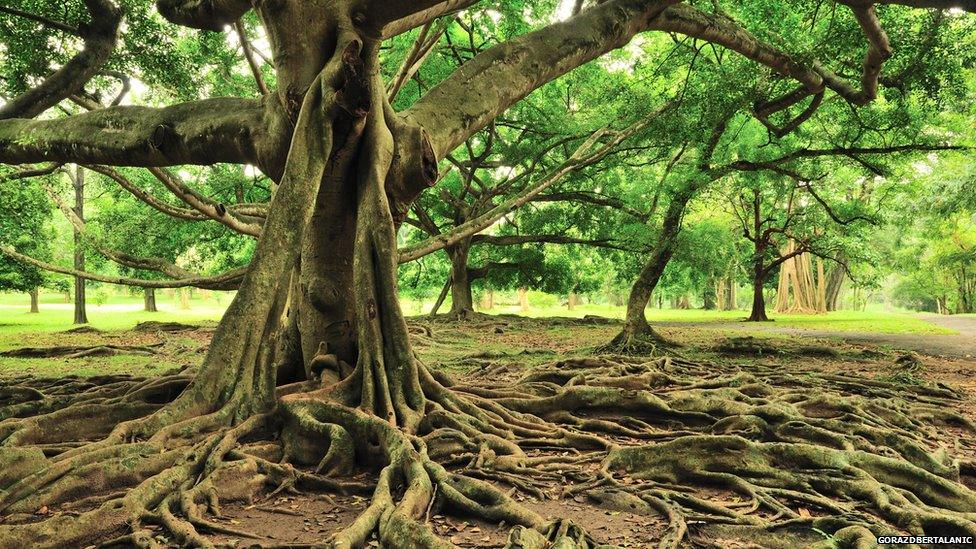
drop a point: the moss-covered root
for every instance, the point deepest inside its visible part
(881, 493)
(559, 534)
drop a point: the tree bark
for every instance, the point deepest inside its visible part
(34, 301)
(462, 302)
(149, 300)
(758, 313)
(523, 295)
(488, 300)
(635, 322)
(81, 314)
(571, 301)
(835, 283)
(710, 298)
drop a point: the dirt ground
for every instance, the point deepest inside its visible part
(493, 349)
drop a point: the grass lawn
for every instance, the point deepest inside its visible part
(874, 320)
(117, 313)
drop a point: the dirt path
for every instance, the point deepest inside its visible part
(961, 345)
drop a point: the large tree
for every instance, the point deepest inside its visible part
(315, 346)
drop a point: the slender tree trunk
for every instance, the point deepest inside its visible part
(441, 297)
(635, 322)
(523, 295)
(488, 300)
(34, 301)
(758, 313)
(81, 315)
(149, 300)
(571, 301)
(709, 298)
(462, 301)
(835, 282)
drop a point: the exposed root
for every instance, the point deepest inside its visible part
(747, 454)
(641, 342)
(80, 352)
(156, 326)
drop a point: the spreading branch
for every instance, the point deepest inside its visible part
(100, 36)
(211, 15)
(589, 152)
(232, 130)
(495, 79)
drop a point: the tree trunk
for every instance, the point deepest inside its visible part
(34, 301)
(729, 294)
(710, 298)
(835, 282)
(571, 301)
(758, 313)
(488, 300)
(635, 322)
(81, 315)
(462, 302)
(184, 299)
(441, 297)
(149, 300)
(523, 295)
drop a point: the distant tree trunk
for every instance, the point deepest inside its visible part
(488, 300)
(731, 297)
(441, 297)
(635, 323)
(523, 295)
(684, 302)
(149, 300)
(571, 301)
(184, 298)
(758, 313)
(462, 302)
(81, 315)
(710, 298)
(34, 307)
(966, 297)
(835, 283)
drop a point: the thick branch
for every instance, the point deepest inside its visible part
(100, 36)
(475, 273)
(206, 132)
(212, 210)
(211, 15)
(397, 17)
(487, 85)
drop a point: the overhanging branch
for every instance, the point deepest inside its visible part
(233, 130)
(100, 36)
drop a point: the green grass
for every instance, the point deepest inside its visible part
(113, 314)
(116, 313)
(19, 328)
(873, 320)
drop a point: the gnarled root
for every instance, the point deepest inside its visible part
(749, 454)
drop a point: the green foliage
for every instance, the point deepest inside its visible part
(24, 225)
